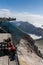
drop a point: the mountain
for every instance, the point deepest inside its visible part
(29, 28)
(17, 35)
(26, 54)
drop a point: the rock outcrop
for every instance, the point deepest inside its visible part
(28, 52)
(31, 44)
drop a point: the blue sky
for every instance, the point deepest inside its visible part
(31, 6)
(23, 10)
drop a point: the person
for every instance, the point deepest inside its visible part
(12, 49)
(5, 48)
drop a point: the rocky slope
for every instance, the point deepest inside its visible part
(28, 53)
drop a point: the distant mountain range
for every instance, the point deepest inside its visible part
(29, 28)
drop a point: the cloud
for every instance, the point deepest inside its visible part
(34, 19)
(5, 13)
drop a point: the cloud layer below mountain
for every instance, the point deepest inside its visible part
(34, 19)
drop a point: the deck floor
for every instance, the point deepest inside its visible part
(6, 61)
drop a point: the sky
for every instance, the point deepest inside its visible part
(31, 6)
(24, 10)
